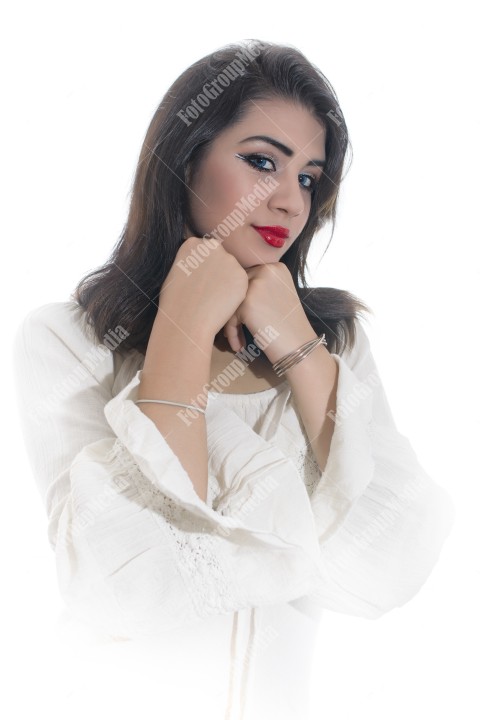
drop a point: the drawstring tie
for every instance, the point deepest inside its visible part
(246, 667)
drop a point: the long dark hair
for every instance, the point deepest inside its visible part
(216, 91)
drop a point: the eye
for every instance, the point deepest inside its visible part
(311, 181)
(258, 161)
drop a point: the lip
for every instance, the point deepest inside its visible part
(274, 235)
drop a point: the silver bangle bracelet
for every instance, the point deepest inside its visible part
(169, 402)
(288, 361)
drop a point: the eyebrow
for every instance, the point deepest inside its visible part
(283, 148)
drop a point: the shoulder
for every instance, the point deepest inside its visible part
(55, 337)
(361, 345)
(58, 322)
(56, 315)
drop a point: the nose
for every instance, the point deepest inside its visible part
(288, 196)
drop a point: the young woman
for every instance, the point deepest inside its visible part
(210, 436)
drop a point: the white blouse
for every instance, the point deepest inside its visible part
(235, 584)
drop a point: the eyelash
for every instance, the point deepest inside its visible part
(250, 159)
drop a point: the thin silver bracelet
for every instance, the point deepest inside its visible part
(169, 402)
(288, 361)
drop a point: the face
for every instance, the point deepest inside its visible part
(253, 188)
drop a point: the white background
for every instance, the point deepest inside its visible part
(80, 84)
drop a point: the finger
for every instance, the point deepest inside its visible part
(233, 331)
(243, 341)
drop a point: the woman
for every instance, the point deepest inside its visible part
(211, 437)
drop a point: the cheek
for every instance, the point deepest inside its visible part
(221, 184)
(204, 197)
(307, 209)
(302, 220)
(225, 181)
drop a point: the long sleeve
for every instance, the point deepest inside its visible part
(381, 521)
(137, 551)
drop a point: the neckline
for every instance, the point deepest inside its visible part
(270, 390)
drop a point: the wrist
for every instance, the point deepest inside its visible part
(286, 343)
(174, 328)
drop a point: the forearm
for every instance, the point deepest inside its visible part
(313, 380)
(177, 368)
(314, 383)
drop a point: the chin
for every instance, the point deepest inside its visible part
(246, 262)
(253, 263)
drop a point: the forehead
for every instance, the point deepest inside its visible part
(286, 121)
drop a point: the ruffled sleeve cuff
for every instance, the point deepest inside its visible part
(163, 556)
(381, 521)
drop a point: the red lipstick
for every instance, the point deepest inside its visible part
(274, 235)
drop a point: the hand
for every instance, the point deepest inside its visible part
(271, 300)
(202, 289)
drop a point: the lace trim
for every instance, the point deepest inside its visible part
(307, 468)
(301, 453)
(195, 545)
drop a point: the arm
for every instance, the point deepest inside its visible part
(177, 368)
(137, 551)
(314, 386)
(380, 520)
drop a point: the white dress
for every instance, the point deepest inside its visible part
(225, 594)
